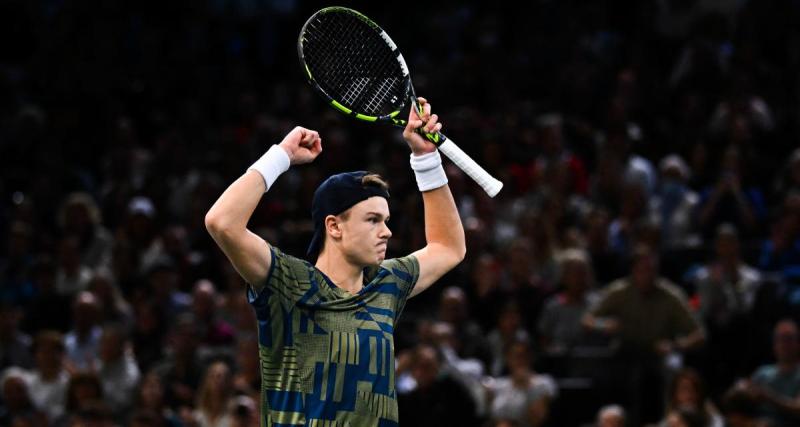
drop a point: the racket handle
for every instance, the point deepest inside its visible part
(491, 185)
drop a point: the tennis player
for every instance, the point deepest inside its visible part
(326, 329)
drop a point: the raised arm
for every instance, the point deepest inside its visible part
(227, 219)
(444, 233)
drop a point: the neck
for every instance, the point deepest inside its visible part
(341, 271)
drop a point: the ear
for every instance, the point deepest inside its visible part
(333, 226)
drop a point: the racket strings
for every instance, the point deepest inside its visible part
(353, 64)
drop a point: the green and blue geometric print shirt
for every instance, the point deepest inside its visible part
(327, 356)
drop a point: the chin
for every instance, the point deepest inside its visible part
(379, 259)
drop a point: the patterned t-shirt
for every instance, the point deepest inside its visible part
(327, 356)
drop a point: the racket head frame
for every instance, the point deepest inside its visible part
(391, 117)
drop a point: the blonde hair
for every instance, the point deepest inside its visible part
(84, 200)
(209, 401)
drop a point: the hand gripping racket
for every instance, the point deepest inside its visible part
(354, 64)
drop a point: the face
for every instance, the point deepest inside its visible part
(686, 395)
(644, 270)
(111, 346)
(362, 232)
(575, 277)
(786, 341)
(518, 357)
(218, 376)
(610, 419)
(152, 391)
(426, 368)
(727, 247)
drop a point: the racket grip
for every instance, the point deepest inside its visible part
(491, 185)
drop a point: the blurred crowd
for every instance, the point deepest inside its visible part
(640, 267)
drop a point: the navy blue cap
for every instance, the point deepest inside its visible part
(334, 196)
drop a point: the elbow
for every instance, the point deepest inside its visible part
(461, 252)
(457, 254)
(215, 224)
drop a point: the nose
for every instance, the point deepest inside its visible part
(385, 233)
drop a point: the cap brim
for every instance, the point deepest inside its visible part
(315, 246)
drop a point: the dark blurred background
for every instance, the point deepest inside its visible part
(641, 265)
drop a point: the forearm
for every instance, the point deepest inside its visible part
(443, 227)
(231, 212)
(691, 341)
(605, 324)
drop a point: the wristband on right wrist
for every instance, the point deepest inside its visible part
(428, 170)
(273, 163)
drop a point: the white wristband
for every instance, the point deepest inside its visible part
(428, 170)
(273, 163)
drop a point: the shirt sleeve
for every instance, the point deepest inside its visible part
(685, 321)
(406, 272)
(608, 303)
(281, 280)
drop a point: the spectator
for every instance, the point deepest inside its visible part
(727, 289)
(555, 153)
(687, 398)
(776, 387)
(72, 275)
(606, 263)
(139, 231)
(148, 334)
(113, 307)
(83, 391)
(15, 401)
(82, 341)
(15, 346)
(509, 329)
(117, 369)
(652, 320)
(214, 330)
(731, 199)
(214, 396)
(675, 205)
(633, 209)
(48, 381)
(80, 217)
(435, 400)
(470, 340)
(780, 253)
(151, 400)
(789, 177)
(162, 284)
(726, 286)
(560, 326)
(524, 395)
(182, 368)
(18, 258)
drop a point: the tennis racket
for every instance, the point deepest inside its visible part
(354, 64)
